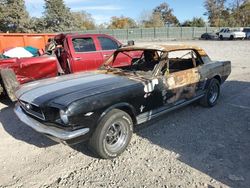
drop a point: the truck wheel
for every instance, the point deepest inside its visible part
(1, 89)
(212, 94)
(221, 37)
(231, 37)
(10, 83)
(112, 134)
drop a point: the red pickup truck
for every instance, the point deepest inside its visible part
(70, 53)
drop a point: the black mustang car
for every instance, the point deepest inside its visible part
(102, 106)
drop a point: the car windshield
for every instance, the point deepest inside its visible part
(137, 61)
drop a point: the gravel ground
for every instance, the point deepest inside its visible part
(190, 147)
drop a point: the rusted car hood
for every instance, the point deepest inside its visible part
(65, 89)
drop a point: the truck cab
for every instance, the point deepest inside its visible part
(86, 52)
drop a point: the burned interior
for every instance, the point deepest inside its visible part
(176, 71)
(151, 59)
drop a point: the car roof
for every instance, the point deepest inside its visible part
(164, 48)
(61, 36)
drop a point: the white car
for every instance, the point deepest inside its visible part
(231, 34)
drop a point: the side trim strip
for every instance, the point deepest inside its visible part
(146, 116)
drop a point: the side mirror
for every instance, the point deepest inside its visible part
(131, 43)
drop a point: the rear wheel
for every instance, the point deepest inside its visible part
(212, 94)
(231, 37)
(112, 135)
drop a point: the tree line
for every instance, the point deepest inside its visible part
(58, 17)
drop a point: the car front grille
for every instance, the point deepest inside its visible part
(32, 110)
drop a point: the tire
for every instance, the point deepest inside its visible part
(1, 89)
(231, 37)
(221, 37)
(112, 134)
(212, 94)
(9, 83)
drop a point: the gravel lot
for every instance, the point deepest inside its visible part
(190, 147)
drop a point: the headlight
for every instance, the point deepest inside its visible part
(64, 117)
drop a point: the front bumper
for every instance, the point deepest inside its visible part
(54, 133)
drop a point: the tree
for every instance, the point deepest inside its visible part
(241, 12)
(2, 16)
(14, 16)
(121, 23)
(236, 15)
(37, 25)
(57, 16)
(166, 13)
(83, 21)
(154, 20)
(195, 22)
(214, 11)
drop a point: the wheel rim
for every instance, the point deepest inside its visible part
(213, 93)
(116, 136)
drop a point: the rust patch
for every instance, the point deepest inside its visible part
(183, 84)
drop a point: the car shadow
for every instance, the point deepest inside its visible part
(215, 141)
(84, 149)
(18, 130)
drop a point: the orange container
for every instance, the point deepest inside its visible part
(10, 40)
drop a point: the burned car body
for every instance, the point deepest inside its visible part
(103, 106)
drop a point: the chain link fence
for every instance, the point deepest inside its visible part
(165, 33)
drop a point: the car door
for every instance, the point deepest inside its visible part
(227, 33)
(181, 78)
(108, 46)
(85, 55)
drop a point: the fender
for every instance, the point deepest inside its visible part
(10, 83)
(128, 108)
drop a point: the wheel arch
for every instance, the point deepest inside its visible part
(218, 77)
(126, 107)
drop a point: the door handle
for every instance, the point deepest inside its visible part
(106, 55)
(77, 58)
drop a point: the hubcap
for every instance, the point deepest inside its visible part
(213, 93)
(116, 136)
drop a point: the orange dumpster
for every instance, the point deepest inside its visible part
(10, 40)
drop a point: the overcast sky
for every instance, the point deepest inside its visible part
(102, 10)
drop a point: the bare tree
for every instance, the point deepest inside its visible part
(214, 11)
(166, 13)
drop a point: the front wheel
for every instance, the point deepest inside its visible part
(221, 37)
(212, 94)
(112, 135)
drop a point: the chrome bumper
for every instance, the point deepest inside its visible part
(58, 134)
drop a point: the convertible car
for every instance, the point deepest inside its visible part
(103, 106)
